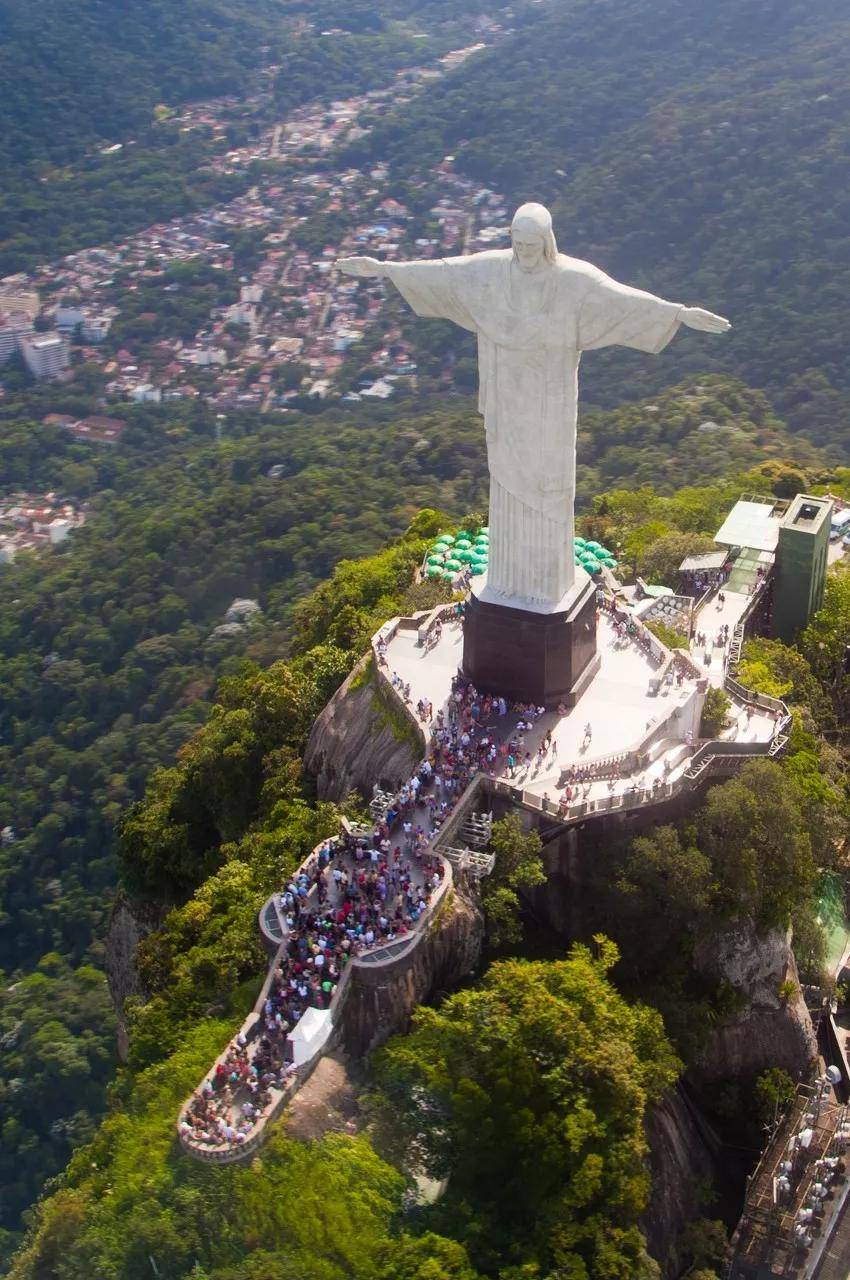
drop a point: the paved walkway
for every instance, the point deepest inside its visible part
(710, 620)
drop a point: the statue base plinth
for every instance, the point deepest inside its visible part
(544, 658)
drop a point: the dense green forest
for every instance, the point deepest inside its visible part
(547, 1171)
(699, 152)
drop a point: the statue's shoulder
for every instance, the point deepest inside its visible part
(486, 260)
(577, 272)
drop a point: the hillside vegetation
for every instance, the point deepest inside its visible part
(514, 1087)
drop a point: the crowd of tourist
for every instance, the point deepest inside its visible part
(238, 1094)
(353, 894)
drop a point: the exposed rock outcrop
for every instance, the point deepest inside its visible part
(382, 997)
(682, 1164)
(355, 744)
(129, 924)
(773, 1029)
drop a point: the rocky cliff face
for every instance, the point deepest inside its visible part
(353, 744)
(682, 1152)
(130, 923)
(382, 998)
(770, 1030)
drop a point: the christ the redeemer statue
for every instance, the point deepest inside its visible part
(534, 311)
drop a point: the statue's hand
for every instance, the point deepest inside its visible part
(361, 267)
(707, 321)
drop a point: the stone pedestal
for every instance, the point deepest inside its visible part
(544, 658)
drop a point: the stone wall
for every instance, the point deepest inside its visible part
(382, 997)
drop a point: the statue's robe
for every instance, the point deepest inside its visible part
(531, 332)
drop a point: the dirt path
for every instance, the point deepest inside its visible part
(326, 1103)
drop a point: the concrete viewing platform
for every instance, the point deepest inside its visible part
(638, 696)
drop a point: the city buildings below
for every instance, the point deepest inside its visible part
(32, 522)
(290, 325)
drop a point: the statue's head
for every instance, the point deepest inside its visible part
(532, 237)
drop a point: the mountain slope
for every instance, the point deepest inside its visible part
(699, 151)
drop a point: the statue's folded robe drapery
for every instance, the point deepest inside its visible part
(528, 364)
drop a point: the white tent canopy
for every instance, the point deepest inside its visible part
(309, 1034)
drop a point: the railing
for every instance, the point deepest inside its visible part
(392, 951)
(704, 598)
(439, 613)
(739, 631)
(647, 639)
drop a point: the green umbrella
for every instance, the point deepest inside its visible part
(593, 546)
(611, 564)
(580, 542)
(477, 568)
(447, 575)
(591, 564)
(484, 529)
(463, 544)
(453, 564)
(446, 538)
(466, 556)
(433, 571)
(479, 556)
(436, 559)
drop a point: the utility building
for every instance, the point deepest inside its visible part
(801, 560)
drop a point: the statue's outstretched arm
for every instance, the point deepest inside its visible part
(706, 321)
(363, 267)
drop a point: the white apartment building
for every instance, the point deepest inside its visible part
(45, 354)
